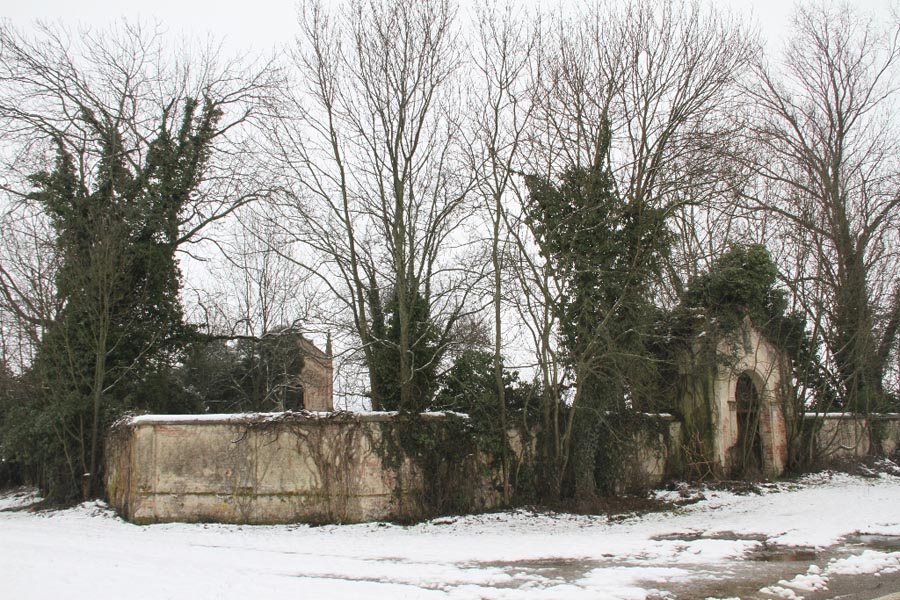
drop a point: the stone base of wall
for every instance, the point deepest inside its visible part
(842, 436)
(273, 468)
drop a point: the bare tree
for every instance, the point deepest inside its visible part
(370, 146)
(829, 172)
(259, 302)
(260, 285)
(665, 76)
(535, 294)
(28, 298)
(503, 55)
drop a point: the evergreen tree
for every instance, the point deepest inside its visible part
(424, 355)
(121, 323)
(606, 250)
(470, 387)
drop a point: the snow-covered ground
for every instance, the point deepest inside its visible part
(88, 552)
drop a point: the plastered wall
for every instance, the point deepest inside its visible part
(305, 467)
(746, 352)
(842, 436)
(277, 468)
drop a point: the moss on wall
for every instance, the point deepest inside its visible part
(695, 401)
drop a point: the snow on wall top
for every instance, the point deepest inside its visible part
(259, 417)
(303, 415)
(848, 415)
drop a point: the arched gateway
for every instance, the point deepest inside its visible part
(733, 398)
(748, 406)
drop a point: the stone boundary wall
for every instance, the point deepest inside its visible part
(340, 467)
(843, 435)
(269, 468)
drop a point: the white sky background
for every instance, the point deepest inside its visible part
(261, 25)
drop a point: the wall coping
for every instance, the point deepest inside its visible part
(274, 417)
(854, 416)
(660, 416)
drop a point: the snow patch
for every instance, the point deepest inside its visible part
(870, 562)
(19, 497)
(812, 581)
(781, 592)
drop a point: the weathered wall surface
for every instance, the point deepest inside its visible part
(277, 468)
(841, 436)
(655, 452)
(650, 455)
(748, 353)
(345, 467)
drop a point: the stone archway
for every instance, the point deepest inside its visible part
(748, 414)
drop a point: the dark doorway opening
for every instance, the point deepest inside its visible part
(294, 398)
(749, 463)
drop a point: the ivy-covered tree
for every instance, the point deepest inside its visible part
(605, 250)
(121, 148)
(118, 277)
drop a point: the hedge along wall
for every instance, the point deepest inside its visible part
(844, 435)
(285, 468)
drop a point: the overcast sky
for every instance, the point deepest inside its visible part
(263, 24)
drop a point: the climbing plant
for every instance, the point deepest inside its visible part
(605, 249)
(741, 284)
